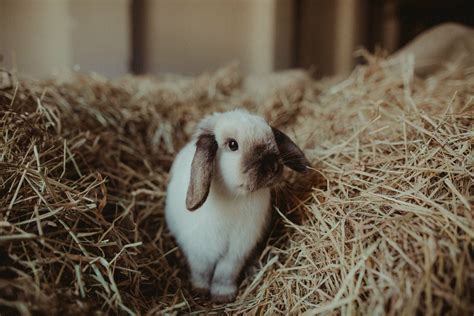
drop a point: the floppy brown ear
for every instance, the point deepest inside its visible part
(292, 156)
(202, 169)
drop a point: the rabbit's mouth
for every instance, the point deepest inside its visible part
(245, 189)
(274, 180)
(264, 183)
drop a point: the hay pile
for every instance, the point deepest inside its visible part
(386, 227)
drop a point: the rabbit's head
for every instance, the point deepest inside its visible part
(239, 153)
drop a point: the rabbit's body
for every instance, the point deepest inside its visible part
(218, 202)
(238, 223)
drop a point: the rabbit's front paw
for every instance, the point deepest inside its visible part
(223, 293)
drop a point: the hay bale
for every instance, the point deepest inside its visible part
(386, 226)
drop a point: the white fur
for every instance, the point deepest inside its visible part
(218, 237)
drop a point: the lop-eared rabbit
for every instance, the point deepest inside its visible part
(218, 200)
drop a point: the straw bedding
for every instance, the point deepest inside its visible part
(384, 225)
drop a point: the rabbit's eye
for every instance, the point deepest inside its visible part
(233, 145)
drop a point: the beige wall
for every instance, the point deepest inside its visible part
(35, 35)
(100, 30)
(38, 37)
(179, 36)
(190, 36)
(329, 32)
(349, 29)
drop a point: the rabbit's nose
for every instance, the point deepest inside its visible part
(274, 166)
(270, 164)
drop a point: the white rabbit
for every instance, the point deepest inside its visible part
(218, 199)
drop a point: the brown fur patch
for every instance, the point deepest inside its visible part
(260, 163)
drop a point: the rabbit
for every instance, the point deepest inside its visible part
(218, 198)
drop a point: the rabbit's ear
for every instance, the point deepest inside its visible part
(291, 155)
(202, 169)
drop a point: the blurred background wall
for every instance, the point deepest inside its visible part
(187, 36)
(114, 37)
(38, 37)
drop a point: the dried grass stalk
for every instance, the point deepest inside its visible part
(385, 225)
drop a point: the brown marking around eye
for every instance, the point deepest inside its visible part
(253, 166)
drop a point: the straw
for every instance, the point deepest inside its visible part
(382, 225)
